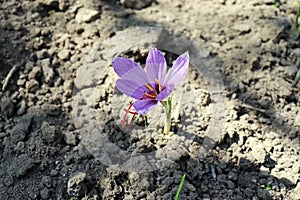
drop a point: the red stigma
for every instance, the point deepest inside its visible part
(125, 116)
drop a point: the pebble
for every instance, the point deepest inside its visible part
(70, 137)
(35, 16)
(22, 108)
(86, 15)
(64, 54)
(21, 82)
(32, 85)
(49, 132)
(48, 72)
(35, 73)
(76, 184)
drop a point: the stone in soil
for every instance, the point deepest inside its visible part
(86, 15)
(35, 73)
(32, 85)
(48, 72)
(76, 185)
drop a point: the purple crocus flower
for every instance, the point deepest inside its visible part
(152, 84)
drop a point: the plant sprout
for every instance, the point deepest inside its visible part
(295, 28)
(180, 187)
(152, 85)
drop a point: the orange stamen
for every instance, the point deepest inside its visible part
(151, 95)
(149, 87)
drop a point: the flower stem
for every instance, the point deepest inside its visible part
(168, 109)
(178, 107)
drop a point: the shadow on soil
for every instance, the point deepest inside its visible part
(211, 176)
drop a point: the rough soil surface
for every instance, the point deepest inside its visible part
(60, 110)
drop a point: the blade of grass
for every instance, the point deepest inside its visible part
(180, 187)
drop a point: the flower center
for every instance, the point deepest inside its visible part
(153, 91)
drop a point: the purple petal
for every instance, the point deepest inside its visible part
(144, 106)
(156, 65)
(131, 88)
(178, 70)
(165, 92)
(137, 74)
(123, 65)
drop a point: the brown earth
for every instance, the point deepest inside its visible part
(60, 133)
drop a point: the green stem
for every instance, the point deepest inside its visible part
(297, 16)
(180, 187)
(168, 109)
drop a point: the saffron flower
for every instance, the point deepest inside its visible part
(151, 85)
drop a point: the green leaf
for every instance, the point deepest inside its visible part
(180, 187)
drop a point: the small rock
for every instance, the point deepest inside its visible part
(76, 186)
(62, 4)
(70, 138)
(35, 16)
(136, 4)
(21, 82)
(48, 72)
(32, 85)
(49, 132)
(35, 73)
(86, 15)
(68, 87)
(7, 107)
(64, 54)
(22, 108)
